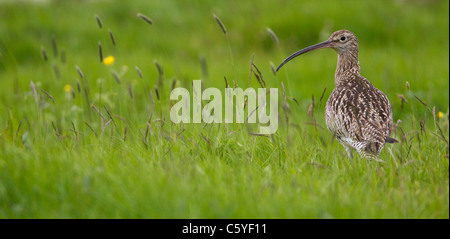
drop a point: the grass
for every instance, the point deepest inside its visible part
(82, 145)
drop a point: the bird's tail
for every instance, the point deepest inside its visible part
(390, 140)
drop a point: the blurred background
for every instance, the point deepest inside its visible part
(400, 41)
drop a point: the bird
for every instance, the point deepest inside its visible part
(357, 113)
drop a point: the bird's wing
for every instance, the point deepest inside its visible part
(375, 115)
(386, 113)
(362, 113)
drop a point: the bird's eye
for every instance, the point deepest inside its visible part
(342, 38)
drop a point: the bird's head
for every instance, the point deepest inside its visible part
(341, 41)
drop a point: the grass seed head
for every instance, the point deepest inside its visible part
(44, 53)
(160, 69)
(139, 72)
(157, 93)
(321, 97)
(221, 25)
(204, 67)
(116, 77)
(90, 127)
(153, 101)
(259, 76)
(78, 86)
(56, 71)
(99, 22)
(100, 51)
(174, 82)
(49, 96)
(79, 72)
(130, 89)
(63, 57)
(403, 99)
(274, 69)
(145, 18)
(226, 82)
(421, 101)
(33, 90)
(54, 46)
(273, 36)
(113, 39)
(251, 71)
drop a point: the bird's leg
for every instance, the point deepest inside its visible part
(348, 149)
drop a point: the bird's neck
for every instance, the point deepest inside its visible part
(347, 67)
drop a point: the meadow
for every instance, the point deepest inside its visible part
(84, 118)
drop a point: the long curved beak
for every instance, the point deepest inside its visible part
(325, 44)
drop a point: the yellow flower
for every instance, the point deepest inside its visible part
(109, 60)
(67, 88)
(440, 114)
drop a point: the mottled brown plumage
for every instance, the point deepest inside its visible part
(358, 114)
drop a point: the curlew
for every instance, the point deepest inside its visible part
(358, 114)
